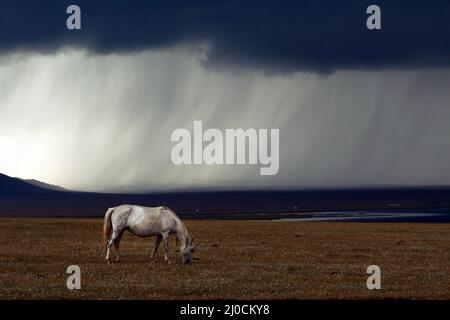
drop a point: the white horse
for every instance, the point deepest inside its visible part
(146, 222)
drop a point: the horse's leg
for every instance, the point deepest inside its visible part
(177, 248)
(117, 244)
(165, 238)
(111, 241)
(108, 249)
(155, 249)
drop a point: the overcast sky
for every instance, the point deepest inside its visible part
(94, 109)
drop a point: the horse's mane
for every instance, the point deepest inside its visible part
(180, 225)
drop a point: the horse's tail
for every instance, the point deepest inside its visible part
(107, 227)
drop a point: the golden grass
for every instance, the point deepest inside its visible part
(236, 260)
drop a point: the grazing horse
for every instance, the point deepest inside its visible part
(146, 222)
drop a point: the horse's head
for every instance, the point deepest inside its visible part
(188, 250)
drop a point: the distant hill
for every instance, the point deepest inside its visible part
(20, 197)
(12, 188)
(44, 185)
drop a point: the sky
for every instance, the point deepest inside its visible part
(94, 109)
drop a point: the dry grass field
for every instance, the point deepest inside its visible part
(234, 260)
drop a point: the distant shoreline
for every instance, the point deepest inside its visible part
(369, 216)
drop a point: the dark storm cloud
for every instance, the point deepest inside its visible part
(278, 36)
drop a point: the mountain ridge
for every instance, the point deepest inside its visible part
(44, 185)
(21, 198)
